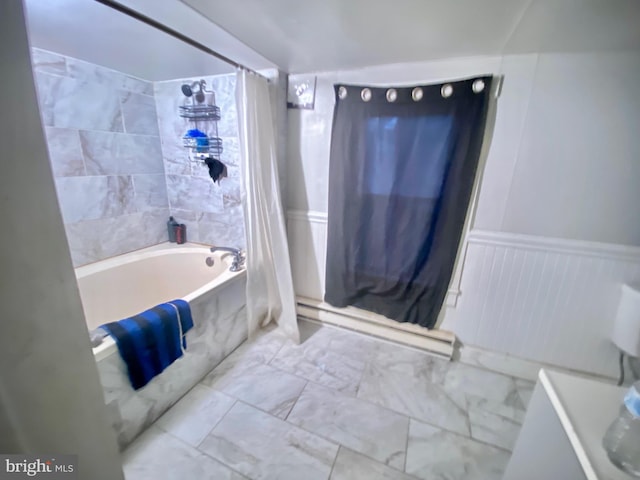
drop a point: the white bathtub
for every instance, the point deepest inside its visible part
(129, 284)
(123, 286)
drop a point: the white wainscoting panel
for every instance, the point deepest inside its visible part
(307, 235)
(548, 300)
(543, 299)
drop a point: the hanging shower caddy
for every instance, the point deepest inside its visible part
(202, 141)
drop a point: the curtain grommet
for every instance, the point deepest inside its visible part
(477, 86)
(446, 91)
(417, 94)
(342, 93)
(392, 95)
(365, 94)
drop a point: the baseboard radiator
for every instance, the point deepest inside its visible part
(438, 342)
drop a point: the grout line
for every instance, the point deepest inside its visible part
(308, 380)
(409, 418)
(406, 446)
(217, 423)
(84, 162)
(226, 465)
(273, 357)
(223, 416)
(355, 397)
(335, 459)
(124, 126)
(404, 414)
(296, 401)
(187, 445)
(367, 364)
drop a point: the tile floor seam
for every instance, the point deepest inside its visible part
(406, 447)
(500, 416)
(355, 395)
(226, 465)
(345, 446)
(200, 451)
(364, 370)
(334, 392)
(296, 401)
(403, 414)
(333, 442)
(335, 459)
(487, 369)
(385, 408)
(368, 336)
(465, 411)
(422, 351)
(312, 381)
(306, 381)
(217, 423)
(458, 434)
(239, 400)
(375, 460)
(268, 362)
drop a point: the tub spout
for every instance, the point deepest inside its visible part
(238, 257)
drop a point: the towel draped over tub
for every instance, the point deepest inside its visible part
(152, 340)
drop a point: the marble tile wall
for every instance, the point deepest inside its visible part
(212, 212)
(102, 133)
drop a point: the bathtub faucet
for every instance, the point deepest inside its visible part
(238, 257)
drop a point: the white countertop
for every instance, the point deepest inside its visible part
(586, 408)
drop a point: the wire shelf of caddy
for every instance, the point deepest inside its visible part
(200, 112)
(202, 147)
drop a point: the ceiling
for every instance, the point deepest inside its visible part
(303, 35)
(308, 36)
(95, 33)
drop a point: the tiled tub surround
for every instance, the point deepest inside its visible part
(212, 212)
(220, 325)
(102, 133)
(340, 405)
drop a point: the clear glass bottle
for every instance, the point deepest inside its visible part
(622, 440)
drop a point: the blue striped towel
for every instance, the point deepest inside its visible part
(152, 340)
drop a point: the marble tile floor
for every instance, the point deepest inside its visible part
(339, 406)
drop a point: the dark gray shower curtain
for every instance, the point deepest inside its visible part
(401, 176)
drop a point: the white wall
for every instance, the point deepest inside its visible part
(562, 169)
(50, 398)
(565, 161)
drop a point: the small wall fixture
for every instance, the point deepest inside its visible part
(301, 92)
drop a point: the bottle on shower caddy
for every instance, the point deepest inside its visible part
(171, 229)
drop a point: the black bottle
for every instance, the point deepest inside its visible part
(171, 229)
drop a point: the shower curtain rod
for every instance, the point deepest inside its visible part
(174, 33)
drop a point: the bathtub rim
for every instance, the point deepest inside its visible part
(108, 346)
